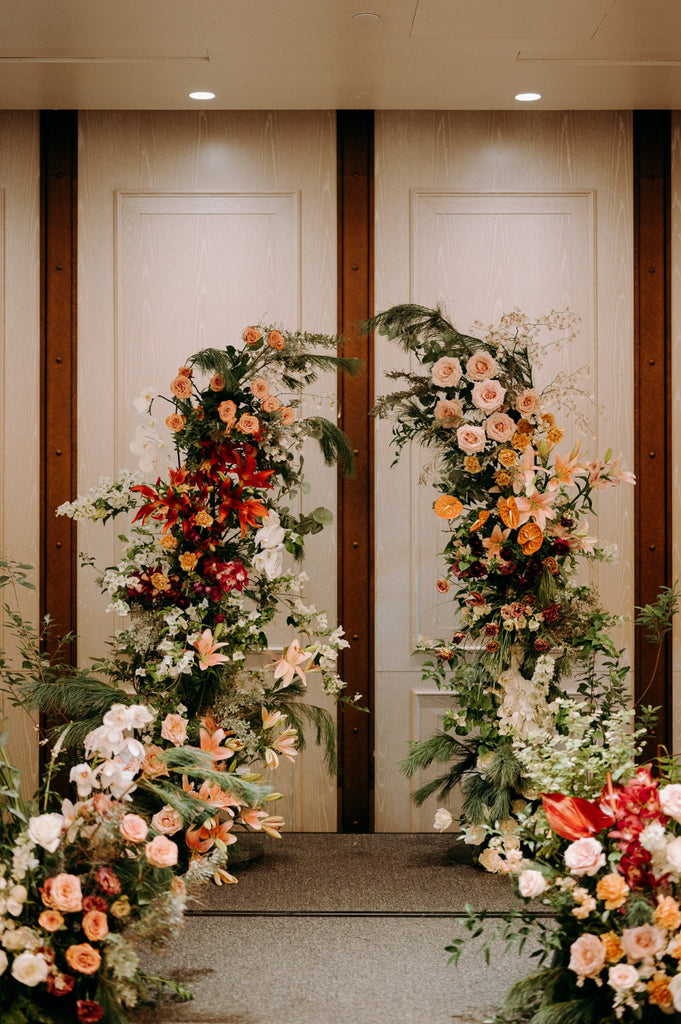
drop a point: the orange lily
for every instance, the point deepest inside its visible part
(572, 817)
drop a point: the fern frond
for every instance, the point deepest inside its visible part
(76, 696)
(523, 993)
(301, 715)
(333, 442)
(576, 1011)
(441, 748)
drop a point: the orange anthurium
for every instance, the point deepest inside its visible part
(509, 513)
(530, 538)
(448, 507)
(483, 516)
(572, 817)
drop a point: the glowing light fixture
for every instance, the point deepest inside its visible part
(201, 95)
(528, 97)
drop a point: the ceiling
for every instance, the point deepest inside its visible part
(313, 54)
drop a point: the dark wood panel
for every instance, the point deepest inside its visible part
(355, 526)
(652, 241)
(58, 367)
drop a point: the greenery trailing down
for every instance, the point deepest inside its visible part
(440, 748)
(333, 443)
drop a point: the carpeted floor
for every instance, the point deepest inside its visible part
(341, 929)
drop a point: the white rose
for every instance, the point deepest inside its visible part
(624, 976)
(531, 884)
(45, 831)
(443, 820)
(29, 969)
(585, 857)
(490, 860)
(673, 852)
(670, 800)
(17, 939)
(675, 991)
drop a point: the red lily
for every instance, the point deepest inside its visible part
(572, 817)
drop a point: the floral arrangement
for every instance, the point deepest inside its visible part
(208, 562)
(516, 511)
(85, 888)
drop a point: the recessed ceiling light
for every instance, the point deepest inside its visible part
(528, 97)
(365, 17)
(201, 95)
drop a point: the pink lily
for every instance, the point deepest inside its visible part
(537, 506)
(495, 542)
(290, 665)
(566, 469)
(526, 470)
(286, 743)
(206, 648)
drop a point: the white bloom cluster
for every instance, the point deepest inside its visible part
(106, 499)
(122, 754)
(523, 708)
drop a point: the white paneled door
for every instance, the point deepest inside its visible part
(482, 213)
(191, 227)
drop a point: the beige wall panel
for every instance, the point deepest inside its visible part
(20, 388)
(484, 213)
(192, 227)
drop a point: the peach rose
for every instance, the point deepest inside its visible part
(287, 415)
(188, 561)
(134, 829)
(481, 366)
(527, 402)
(251, 336)
(612, 889)
(667, 913)
(488, 395)
(167, 821)
(176, 422)
(83, 958)
(248, 424)
(203, 518)
(50, 920)
(174, 729)
(622, 977)
(613, 947)
(227, 411)
(642, 943)
(181, 387)
(95, 925)
(185, 371)
(446, 372)
(587, 956)
(65, 894)
(584, 856)
(442, 586)
(168, 542)
(160, 581)
(471, 439)
(217, 382)
(670, 800)
(276, 340)
(270, 403)
(507, 457)
(153, 766)
(499, 427)
(448, 412)
(531, 884)
(260, 388)
(161, 852)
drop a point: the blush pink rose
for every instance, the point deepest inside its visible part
(488, 395)
(133, 828)
(642, 943)
(670, 800)
(481, 366)
(174, 729)
(446, 372)
(587, 956)
(161, 852)
(527, 402)
(500, 427)
(622, 977)
(531, 883)
(260, 388)
(471, 439)
(448, 412)
(585, 856)
(167, 821)
(65, 894)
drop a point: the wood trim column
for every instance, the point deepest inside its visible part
(355, 496)
(652, 398)
(58, 136)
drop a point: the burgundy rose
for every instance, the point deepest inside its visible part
(59, 984)
(566, 522)
(492, 646)
(89, 1011)
(94, 903)
(560, 547)
(458, 637)
(477, 570)
(507, 553)
(107, 880)
(541, 644)
(507, 568)
(552, 613)
(491, 629)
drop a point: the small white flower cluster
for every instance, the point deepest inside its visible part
(106, 499)
(523, 708)
(121, 753)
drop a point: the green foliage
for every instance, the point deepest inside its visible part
(657, 617)
(333, 442)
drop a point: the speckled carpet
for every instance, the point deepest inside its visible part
(341, 929)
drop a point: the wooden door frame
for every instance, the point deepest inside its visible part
(653, 526)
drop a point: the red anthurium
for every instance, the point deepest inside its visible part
(572, 817)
